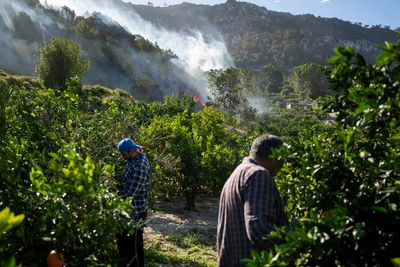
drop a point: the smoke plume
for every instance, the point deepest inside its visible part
(195, 54)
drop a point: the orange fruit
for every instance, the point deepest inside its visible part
(55, 259)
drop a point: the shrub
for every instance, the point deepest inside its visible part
(76, 208)
(60, 60)
(4, 94)
(192, 152)
(344, 188)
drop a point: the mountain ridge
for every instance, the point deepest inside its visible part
(255, 37)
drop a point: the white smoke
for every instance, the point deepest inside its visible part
(261, 104)
(9, 9)
(16, 54)
(195, 54)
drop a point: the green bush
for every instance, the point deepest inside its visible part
(343, 188)
(60, 60)
(228, 90)
(62, 162)
(76, 208)
(191, 152)
(4, 94)
(69, 201)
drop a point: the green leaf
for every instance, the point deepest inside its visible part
(396, 262)
(65, 171)
(361, 108)
(10, 262)
(334, 59)
(395, 138)
(54, 155)
(380, 209)
(4, 214)
(8, 220)
(383, 58)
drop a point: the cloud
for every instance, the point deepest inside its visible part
(324, 1)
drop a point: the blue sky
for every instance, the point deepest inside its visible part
(368, 12)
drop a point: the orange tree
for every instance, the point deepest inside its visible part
(76, 208)
(68, 200)
(191, 151)
(59, 160)
(343, 187)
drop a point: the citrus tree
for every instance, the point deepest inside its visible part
(76, 208)
(69, 201)
(343, 187)
(59, 163)
(191, 151)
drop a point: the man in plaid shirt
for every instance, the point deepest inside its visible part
(134, 182)
(250, 205)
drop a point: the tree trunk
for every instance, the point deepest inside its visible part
(190, 205)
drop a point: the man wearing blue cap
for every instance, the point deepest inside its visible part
(135, 182)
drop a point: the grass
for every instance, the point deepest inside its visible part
(186, 249)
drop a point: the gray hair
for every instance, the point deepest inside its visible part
(262, 146)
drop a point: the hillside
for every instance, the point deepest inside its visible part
(157, 51)
(118, 59)
(256, 36)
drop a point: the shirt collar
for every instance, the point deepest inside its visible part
(139, 156)
(250, 160)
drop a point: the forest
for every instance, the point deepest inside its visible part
(340, 183)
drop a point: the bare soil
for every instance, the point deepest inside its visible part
(171, 218)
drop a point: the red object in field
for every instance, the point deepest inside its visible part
(196, 99)
(55, 259)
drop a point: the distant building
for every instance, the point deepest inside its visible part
(299, 103)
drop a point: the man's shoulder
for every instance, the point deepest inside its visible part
(258, 171)
(136, 161)
(251, 170)
(248, 171)
(251, 165)
(142, 160)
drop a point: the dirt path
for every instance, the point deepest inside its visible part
(171, 218)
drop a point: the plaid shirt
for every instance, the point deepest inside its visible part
(250, 207)
(135, 182)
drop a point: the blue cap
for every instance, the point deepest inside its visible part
(127, 144)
